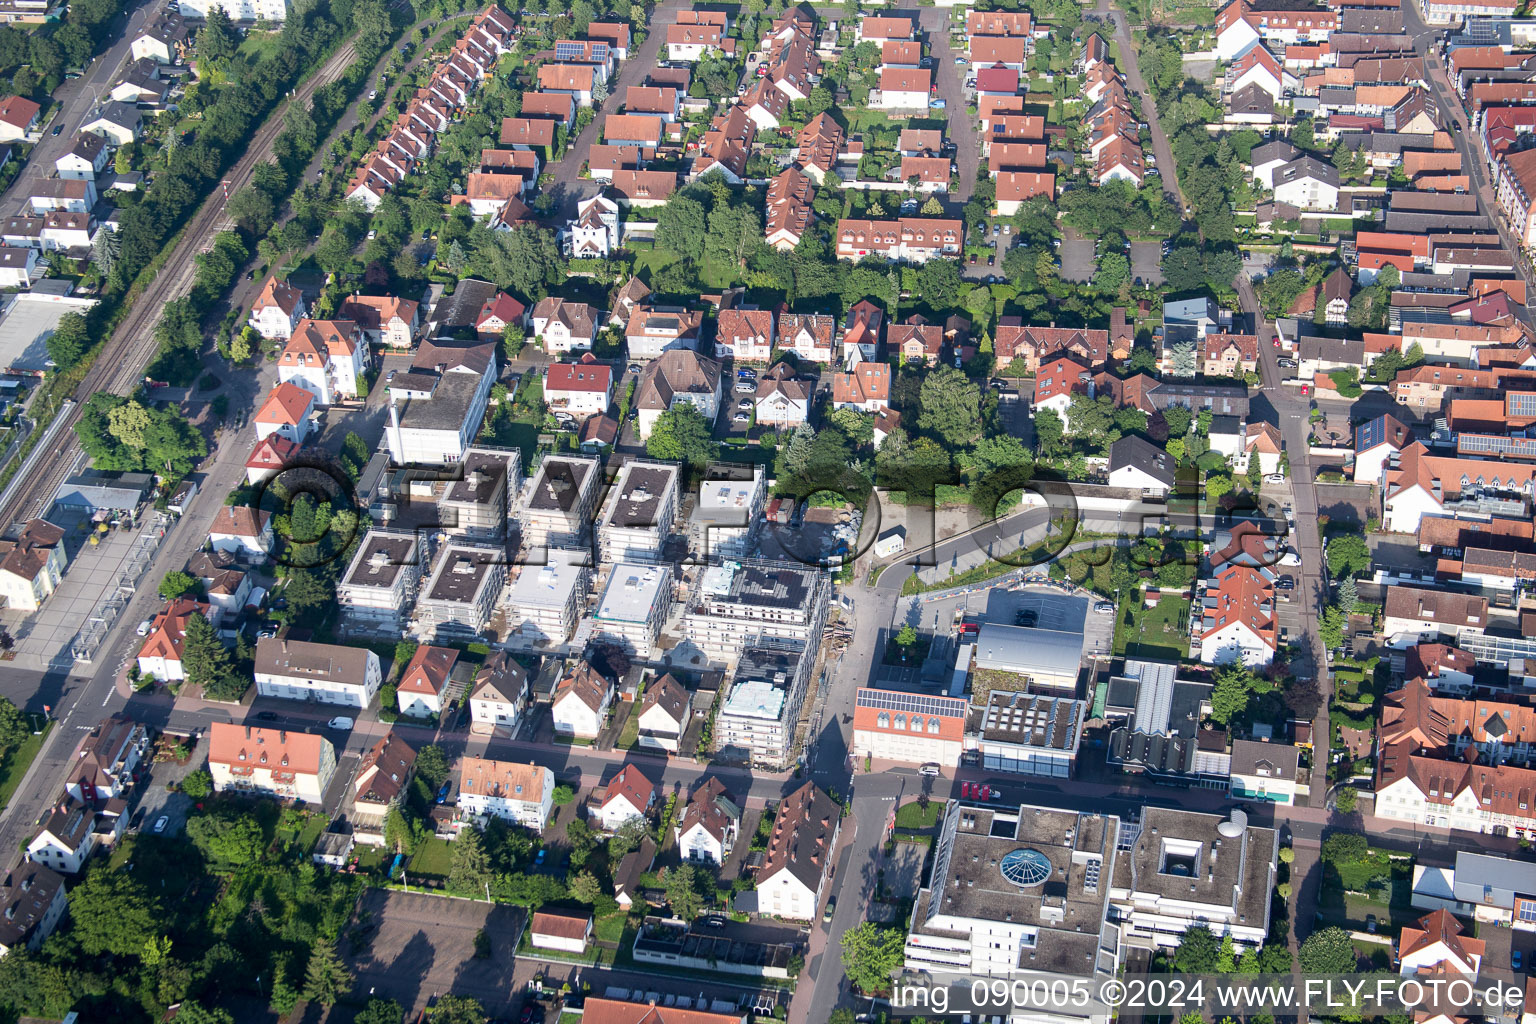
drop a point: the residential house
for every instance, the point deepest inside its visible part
(118, 123)
(560, 325)
(862, 333)
(323, 673)
(594, 233)
(32, 566)
(582, 701)
(1136, 463)
(653, 330)
(678, 375)
(105, 764)
(242, 531)
(520, 793)
(499, 695)
(629, 795)
(580, 389)
(808, 335)
(904, 89)
(32, 902)
(499, 313)
(159, 656)
(665, 711)
(1229, 355)
(710, 824)
(424, 682)
(917, 341)
(86, 157)
(18, 118)
(782, 399)
(1264, 771)
(326, 358)
(384, 319)
(867, 387)
(745, 335)
(1308, 184)
(280, 763)
(383, 774)
(798, 861)
(289, 410)
(909, 239)
(1057, 381)
(1238, 618)
(277, 310)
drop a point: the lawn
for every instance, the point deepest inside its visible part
(15, 762)
(610, 928)
(434, 859)
(630, 734)
(1161, 632)
(914, 815)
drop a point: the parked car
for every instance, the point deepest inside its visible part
(937, 104)
(143, 629)
(741, 417)
(1285, 583)
(744, 387)
(266, 716)
(744, 405)
(1289, 364)
(1104, 606)
(340, 722)
(1516, 959)
(161, 822)
(961, 62)
(931, 768)
(826, 915)
(58, 129)
(635, 368)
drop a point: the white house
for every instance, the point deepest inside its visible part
(289, 410)
(1377, 442)
(561, 325)
(798, 861)
(32, 565)
(118, 123)
(425, 680)
(581, 703)
(710, 825)
(782, 399)
(277, 310)
(563, 930)
(745, 335)
(1437, 944)
(160, 655)
(242, 531)
(72, 831)
(581, 389)
(1140, 465)
(32, 902)
(327, 358)
(281, 763)
(1264, 771)
(324, 673)
(519, 793)
(595, 231)
(665, 711)
(18, 266)
(679, 375)
(1238, 618)
(499, 695)
(86, 158)
(904, 88)
(1308, 183)
(629, 795)
(1269, 157)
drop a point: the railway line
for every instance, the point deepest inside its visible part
(119, 367)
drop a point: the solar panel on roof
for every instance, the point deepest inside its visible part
(1521, 403)
(1493, 444)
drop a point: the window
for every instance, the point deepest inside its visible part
(901, 721)
(883, 720)
(1528, 910)
(933, 725)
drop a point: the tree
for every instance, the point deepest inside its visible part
(112, 913)
(235, 841)
(526, 260)
(682, 888)
(326, 979)
(1349, 594)
(562, 795)
(457, 1010)
(950, 407)
(586, 888)
(197, 784)
(681, 225)
(1198, 952)
(380, 1011)
(1345, 848)
(431, 762)
(71, 339)
(207, 662)
(308, 588)
(1050, 432)
(907, 637)
(470, 871)
(681, 434)
(871, 955)
(932, 207)
(1330, 627)
(1329, 951)
(1348, 555)
(1113, 272)
(582, 839)
(191, 1011)
(1344, 799)
(176, 583)
(14, 728)
(1230, 696)
(217, 41)
(627, 837)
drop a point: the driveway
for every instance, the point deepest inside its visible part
(1132, 72)
(962, 127)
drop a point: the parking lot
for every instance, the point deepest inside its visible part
(410, 947)
(1147, 262)
(1076, 257)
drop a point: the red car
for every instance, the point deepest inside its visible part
(1277, 341)
(1306, 389)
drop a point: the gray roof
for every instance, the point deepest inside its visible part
(1156, 699)
(1134, 451)
(462, 308)
(1495, 881)
(1269, 152)
(1307, 167)
(1273, 760)
(332, 662)
(1213, 872)
(1029, 651)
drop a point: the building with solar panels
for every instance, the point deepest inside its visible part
(1029, 733)
(914, 728)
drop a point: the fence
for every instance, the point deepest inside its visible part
(88, 640)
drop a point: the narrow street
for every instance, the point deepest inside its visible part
(1132, 72)
(961, 127)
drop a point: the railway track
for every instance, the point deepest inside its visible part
(119, 367)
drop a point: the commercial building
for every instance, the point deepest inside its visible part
(520, 793)
(1156, 730)
(1029, 733)
(1181, 870)
(916, 728)
(270, 762)
(1048, 658)
(436, 407)
(637, 517)
(760, 713)
(1264, 771)
(1488, 888)
(462, 594)
(735, 603)
(544, 601)
(325, 673)
(378, 589)
(1018, 890)
(634, 605)
(557, 505)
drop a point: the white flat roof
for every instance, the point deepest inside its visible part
(755, 698)
(631, 593)
(545, 586)
(25, 324)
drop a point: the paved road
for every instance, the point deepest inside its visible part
(1132, 72)
(962, 128)
(569, 188)
(76, 99)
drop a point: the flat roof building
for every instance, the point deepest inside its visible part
(545, 601)
(760, 714)
(462, 594)
(478, 502)
(379, 586)
(637, 518)
(633, 607)
(729, 512)
(738, 602)
(556, 507)
(1029, 733)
